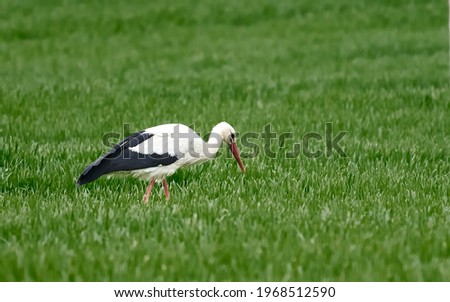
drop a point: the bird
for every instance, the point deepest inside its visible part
(157, 152)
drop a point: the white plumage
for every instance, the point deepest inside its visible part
(157, 152)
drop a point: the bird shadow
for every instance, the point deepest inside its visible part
(184, 176)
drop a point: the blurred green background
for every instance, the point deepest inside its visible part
(72, 71)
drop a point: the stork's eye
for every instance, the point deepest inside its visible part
(232, 135)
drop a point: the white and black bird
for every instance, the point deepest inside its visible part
(157, 152)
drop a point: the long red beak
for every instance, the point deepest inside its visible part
(237, 156)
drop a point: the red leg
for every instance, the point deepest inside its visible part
(149, 189)
(166, 189)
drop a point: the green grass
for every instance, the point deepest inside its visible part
(72, 71)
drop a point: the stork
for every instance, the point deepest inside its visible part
(158, 152)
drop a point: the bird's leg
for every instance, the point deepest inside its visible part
(147, 192)
(166, 189)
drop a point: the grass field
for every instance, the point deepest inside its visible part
(72, 71)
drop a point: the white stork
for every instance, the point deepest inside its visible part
(157, 152)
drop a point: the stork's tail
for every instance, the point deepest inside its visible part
(95, 170)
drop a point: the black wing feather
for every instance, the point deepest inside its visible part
(121, 158)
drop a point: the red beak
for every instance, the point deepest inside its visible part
(237, 156)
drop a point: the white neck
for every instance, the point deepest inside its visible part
(214, 142)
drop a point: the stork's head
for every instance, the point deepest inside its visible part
(229, 137)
